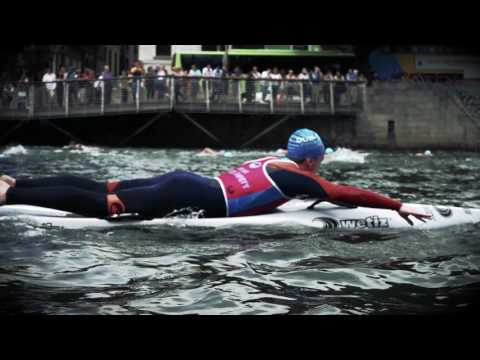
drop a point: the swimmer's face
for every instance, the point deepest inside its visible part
(313, 165)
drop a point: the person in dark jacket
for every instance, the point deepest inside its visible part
(150, 83)
(107, 78)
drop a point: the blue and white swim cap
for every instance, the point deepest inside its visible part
(303, 144)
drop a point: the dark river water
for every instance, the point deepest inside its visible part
(244, 270)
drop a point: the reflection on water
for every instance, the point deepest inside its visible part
(244, 270)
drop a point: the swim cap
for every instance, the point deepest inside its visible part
(329, 150)
(305, 144)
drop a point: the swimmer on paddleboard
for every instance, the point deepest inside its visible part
(253, 188)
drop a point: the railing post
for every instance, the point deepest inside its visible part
(31, 109)
(302, 99)
(137, 95)
(332, 103)
(66, 97)
(172, 92)
(207, 94)
(239, 96)
(102, 100)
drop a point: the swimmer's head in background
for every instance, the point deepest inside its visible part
(329, 150)
(305, 144)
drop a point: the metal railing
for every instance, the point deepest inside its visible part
(186, 94)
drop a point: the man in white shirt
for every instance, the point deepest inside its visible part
(307, 89)
(195, 73)
(207, 72)
(255, 75)
(265, 84)
(217, 84)
(48, 78)
(275, 85)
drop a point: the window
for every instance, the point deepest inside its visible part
(163, 50)
(248, 46)
(300, 47)
(278, 47)
(214, 47)
(210, 47)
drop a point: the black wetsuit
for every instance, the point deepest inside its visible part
(154, 197)
(177, 190)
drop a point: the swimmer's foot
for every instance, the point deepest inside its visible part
(9, 180)
(3, 192)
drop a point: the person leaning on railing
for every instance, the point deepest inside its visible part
(107, 78)
(161, 81)
(88, 81)
(207, 74)
(305, 83)
(124, 85)
(217, 84)
(72, 76)
(236, 76)
(265, 84)
(290, 85)
(225, 82)
(250, 88)
(340, 87)
(137, 72)
(352, 91)
(275, 75)
(177, 74)
(49, 78)
(194, 74)
(7, 92)
(62, 76)
(326, 87)
(22, 92)
(150, 83)
(316, 77)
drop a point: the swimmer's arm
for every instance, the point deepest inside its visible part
(317, 187)
(354, 196)
(366, 198)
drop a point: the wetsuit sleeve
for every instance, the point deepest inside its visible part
(297, 183)
(359, 197)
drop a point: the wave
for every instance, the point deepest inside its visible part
(346, 155)
(14, 150)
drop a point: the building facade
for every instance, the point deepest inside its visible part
(154, 55)
(427, 61)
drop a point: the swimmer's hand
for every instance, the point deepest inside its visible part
(3, 192)
(405, 212)
(9, 180)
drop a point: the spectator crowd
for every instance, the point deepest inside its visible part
(191, 85)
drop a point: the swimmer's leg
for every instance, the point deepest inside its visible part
(147, 201)
(70, 181)
(91, 185)
(65, 198)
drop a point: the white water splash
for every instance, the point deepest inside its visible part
(14, 150)
(346, 155)
(90, 150)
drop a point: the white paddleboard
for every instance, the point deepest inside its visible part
(324, 216)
